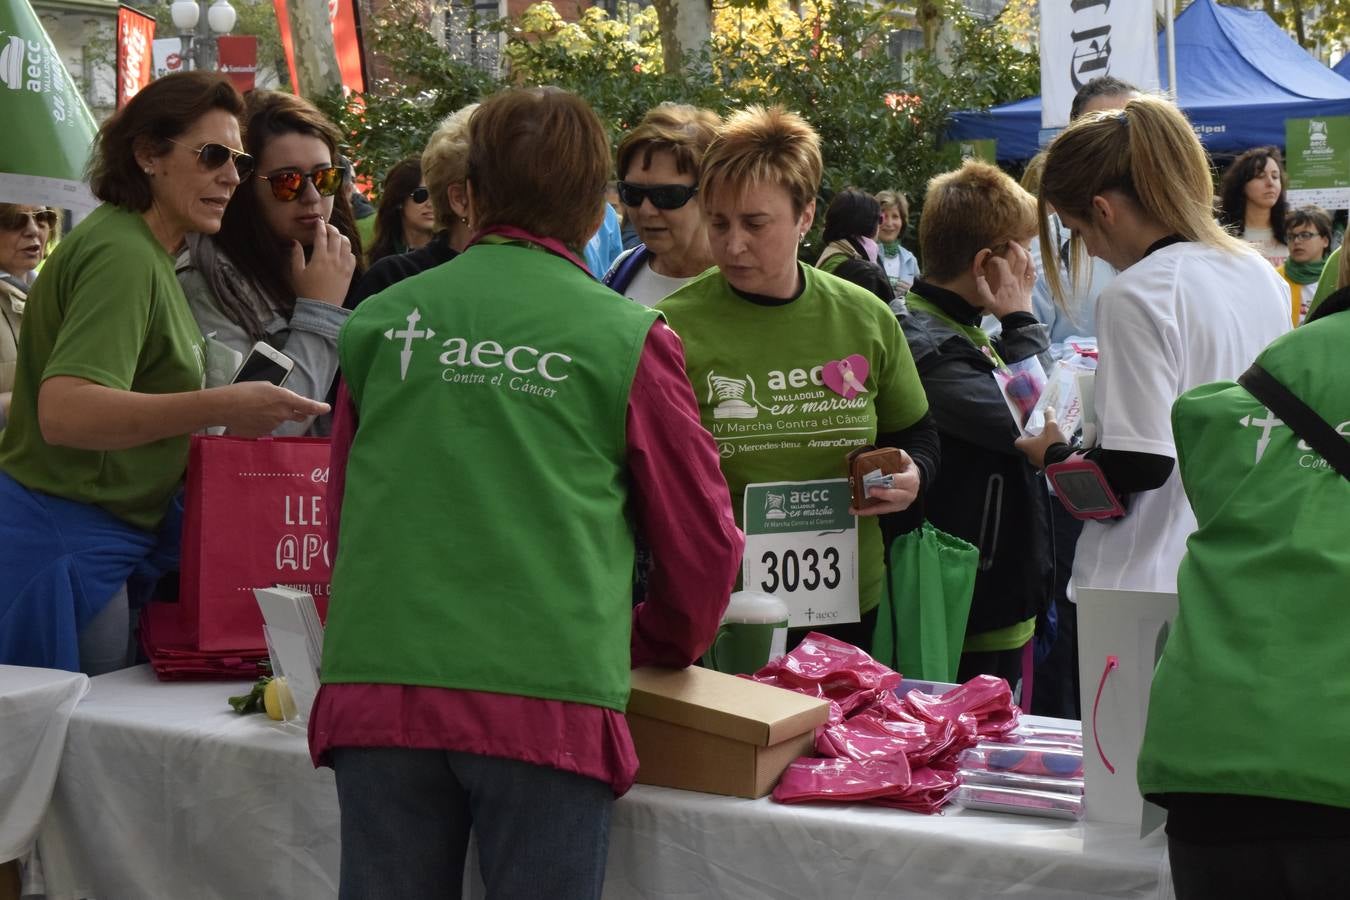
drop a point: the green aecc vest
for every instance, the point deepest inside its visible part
(1252, 694)
(485, 542)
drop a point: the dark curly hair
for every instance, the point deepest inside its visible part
(852, 214)
(1233, 193)
(404, 177)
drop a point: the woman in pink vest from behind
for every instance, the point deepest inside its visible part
(506, 423)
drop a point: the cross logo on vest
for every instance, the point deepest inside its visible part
(408, 335)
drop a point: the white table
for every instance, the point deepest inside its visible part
(165, 792)
(35, 705)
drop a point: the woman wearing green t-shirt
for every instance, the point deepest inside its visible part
(109, 382)
(794, 368)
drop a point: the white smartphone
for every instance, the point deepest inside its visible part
(265, 363)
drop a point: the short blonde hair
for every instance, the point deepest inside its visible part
(978, 206)
(764, 146)
(681, 130)
(1148, 152)
(445, 161)
(897, 200)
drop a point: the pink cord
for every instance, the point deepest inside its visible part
(1111, 663)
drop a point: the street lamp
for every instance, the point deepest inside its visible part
(187, 15)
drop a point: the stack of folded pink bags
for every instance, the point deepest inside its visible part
(174, 655)
(879, 747)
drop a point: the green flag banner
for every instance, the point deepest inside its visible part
(50, 131)
(1317, 156)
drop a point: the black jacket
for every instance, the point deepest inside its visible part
(987, 494)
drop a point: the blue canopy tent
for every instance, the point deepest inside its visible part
(1239, 76)
(1342, 68)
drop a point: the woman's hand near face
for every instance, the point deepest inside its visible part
(1014, 276)
(899, 497)
(256, 408)
(328, 273)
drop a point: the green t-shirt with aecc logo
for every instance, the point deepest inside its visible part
(773, 403)
(107, 308)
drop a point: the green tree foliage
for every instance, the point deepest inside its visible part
(881, 127)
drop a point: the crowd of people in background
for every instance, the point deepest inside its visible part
(228, 221)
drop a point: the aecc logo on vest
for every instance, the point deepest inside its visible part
(520, 364)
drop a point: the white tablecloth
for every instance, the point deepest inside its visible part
(35, 705)
(166, 793)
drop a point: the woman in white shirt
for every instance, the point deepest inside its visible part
(1192, 304)
(1253, 203)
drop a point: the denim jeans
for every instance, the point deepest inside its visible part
(406, 816)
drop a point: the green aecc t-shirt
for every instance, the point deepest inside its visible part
(106, 308)
(757, 372)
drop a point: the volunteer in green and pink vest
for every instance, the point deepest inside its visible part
(794, 368)
(506, 423)
(109, 383)
(1249, 714)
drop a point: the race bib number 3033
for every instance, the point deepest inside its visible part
(801, 545)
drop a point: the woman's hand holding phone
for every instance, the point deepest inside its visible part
(328, 273)
(256, 408)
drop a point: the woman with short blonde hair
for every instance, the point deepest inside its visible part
(445, 168)
(794, 368)
(658, 169)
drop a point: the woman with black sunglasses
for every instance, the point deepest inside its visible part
(658, 167)
(286, 254)
(405, 219)
(25, 234)
(109, 383)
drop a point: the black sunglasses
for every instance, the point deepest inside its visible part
(212, 156)
(18, 220)
(663, 196)
(420, 195)
(286, 186)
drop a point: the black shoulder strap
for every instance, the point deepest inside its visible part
(1299, 416)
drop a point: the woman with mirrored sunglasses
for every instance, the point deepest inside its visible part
(25, 234)
(405, 219)
(286, 255)
(109, 384)
(658, 165)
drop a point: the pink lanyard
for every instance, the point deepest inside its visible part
(552, 245)
(1112, 663)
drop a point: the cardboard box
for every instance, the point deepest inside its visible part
(701, 730)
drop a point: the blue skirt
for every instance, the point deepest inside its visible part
(60, 563)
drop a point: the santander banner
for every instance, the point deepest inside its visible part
(238, 58)
(135, 36)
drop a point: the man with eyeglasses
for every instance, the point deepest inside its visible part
(1308, 233)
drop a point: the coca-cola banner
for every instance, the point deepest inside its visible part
(237, 57)
(135, 35)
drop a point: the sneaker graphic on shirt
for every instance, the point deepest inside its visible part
(730, 395)
(775, 504)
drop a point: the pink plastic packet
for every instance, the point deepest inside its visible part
(986, 697)
(842, 779)
(929, 790)
(822, 666)
(866, 737)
